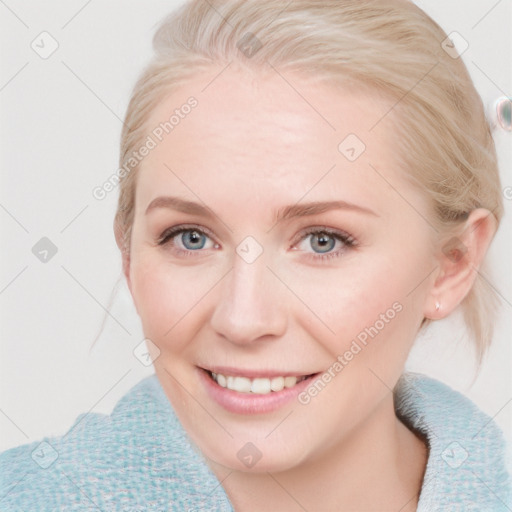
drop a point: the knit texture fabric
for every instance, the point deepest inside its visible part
(139, 458)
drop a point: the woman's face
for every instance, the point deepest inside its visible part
(275, 236)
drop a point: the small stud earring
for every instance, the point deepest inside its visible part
(438, 306)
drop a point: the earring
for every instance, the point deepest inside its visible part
(438, 306)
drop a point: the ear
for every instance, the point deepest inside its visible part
(459, 259)
(120, 235)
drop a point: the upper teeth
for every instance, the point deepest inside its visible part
(260, 385)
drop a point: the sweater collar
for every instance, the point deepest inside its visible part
(466, 467)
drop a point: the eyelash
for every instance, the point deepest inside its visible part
(171, 233)
(348, 240)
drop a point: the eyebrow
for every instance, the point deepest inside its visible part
(285, 213)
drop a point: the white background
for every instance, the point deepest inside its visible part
(59, 132)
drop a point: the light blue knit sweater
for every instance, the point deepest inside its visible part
(140, 459)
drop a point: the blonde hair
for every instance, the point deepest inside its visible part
(443, 137)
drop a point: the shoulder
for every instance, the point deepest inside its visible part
(136, 456)
(467, 464)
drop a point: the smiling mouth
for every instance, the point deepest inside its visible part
(258, 385)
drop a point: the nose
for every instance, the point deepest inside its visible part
(250, 304)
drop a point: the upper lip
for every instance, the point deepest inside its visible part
(251, 374)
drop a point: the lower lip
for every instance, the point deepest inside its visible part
(251, 403)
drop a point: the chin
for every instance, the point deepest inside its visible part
(257, 457)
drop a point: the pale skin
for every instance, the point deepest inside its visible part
(250, 148)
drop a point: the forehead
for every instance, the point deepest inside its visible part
(269, 134)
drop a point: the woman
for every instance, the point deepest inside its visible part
(304, 187)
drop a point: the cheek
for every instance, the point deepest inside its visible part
(167, 298)
(368, 300)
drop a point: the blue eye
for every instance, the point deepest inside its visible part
(322, 242)
(318, 243)
(193, 239)
(186, 239)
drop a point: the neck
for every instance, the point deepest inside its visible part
(378, 466)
